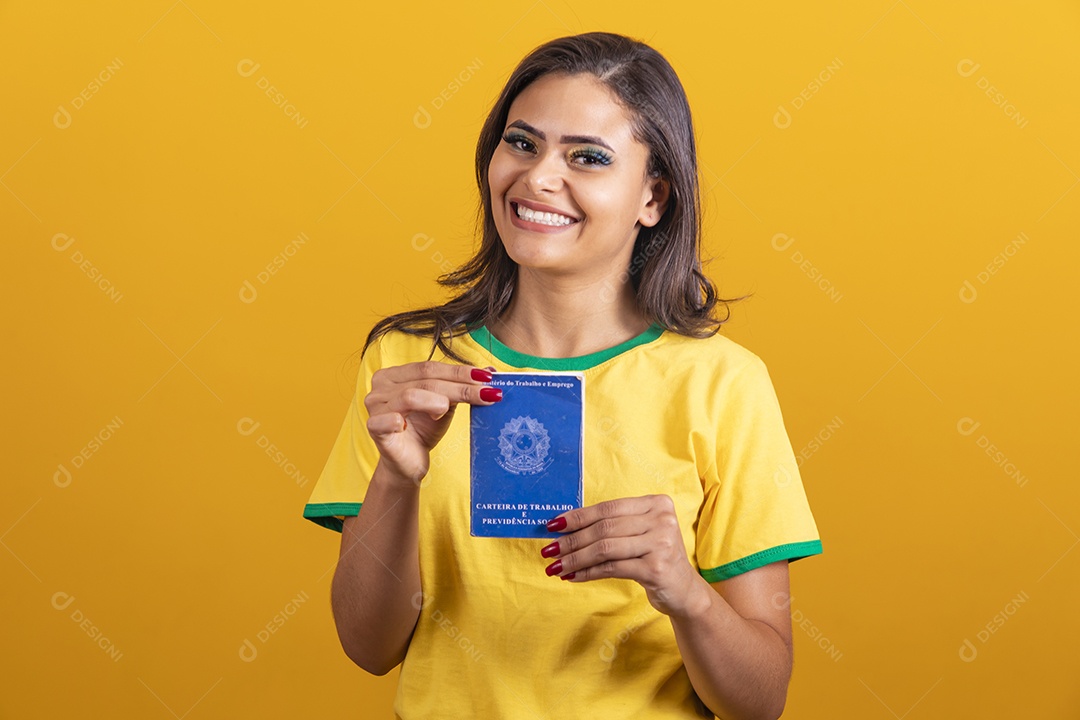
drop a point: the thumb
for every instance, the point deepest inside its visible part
(446, 415)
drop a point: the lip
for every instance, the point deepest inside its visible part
(539, 207)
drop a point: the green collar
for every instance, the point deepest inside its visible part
(512, 357)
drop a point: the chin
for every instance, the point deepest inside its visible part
(527, 257)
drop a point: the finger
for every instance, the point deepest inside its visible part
(610, 527)
(436, 397)
(603, 552)
(414, 399)
(578, 518)
(385, 424)
(432, 370)
(630, 569)
(462, 387)
(473, 394)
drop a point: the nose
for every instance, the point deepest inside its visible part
(545, 173)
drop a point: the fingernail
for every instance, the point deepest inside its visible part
(490, 394)
(554, 568)
(551, 550)
(492, 369)
(481, 375)
(557, 524)
(568, 576)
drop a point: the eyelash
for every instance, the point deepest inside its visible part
(599, 157)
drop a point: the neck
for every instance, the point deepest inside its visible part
(565, 317)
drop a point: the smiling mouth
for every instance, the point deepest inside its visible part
(541, 218)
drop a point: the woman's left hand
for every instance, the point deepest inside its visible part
(636, 538)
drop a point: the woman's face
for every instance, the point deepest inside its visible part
(567, 148)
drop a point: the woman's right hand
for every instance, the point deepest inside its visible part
(410, 407)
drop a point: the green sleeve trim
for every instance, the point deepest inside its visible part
(324, 513)
(790, 552)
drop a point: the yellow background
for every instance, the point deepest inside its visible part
(897, 178)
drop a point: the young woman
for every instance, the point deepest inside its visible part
(666, 594)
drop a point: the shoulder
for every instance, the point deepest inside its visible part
(716, 372)
(716, 354)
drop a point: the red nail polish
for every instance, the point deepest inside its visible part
(568, 576)
(490, 394)
(554, 568)
(557, 524)
(551, 550)
(481, 375)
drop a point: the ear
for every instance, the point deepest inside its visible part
(658, 190)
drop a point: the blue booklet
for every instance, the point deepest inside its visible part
(527, 453)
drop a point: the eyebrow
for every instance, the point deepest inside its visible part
(592, 139)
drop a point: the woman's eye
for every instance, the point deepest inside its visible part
(591, 157)
(514, 140)
(595, 157)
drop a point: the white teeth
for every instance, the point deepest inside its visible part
(542, 218)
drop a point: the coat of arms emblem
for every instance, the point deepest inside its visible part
(524, 445)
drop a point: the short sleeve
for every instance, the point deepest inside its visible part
(755, 509)
(344, 479)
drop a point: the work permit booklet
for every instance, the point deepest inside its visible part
(527, 453)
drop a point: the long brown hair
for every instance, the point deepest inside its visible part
(665, 269)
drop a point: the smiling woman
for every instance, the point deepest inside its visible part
(589, 261)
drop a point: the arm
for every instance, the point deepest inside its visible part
(374, 593)
(378, 575)
(734, 637)
(736, 642)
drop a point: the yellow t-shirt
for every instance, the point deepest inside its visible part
(696, 419)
